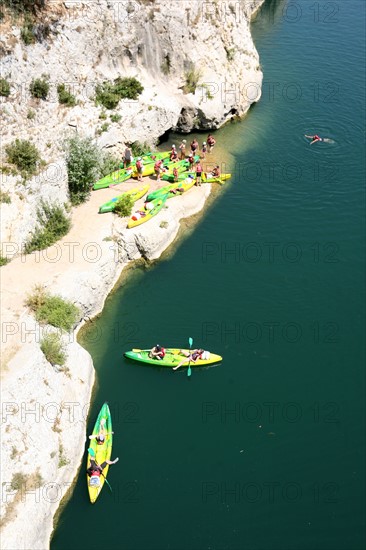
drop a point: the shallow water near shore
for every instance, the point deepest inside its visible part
(266, 450)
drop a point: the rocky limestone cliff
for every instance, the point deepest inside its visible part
(90, 42)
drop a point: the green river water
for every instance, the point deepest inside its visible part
(266, 450)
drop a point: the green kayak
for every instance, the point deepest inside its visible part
(173, 189)
(172, 358)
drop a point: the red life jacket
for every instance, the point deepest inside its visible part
(157, 164)
(138, 164)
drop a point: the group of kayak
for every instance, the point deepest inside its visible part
(180, 175)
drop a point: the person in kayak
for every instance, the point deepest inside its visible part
(157, 352)
(216, 171)
(192, 356)
(314, 138)
(101, 435)
(96, 470)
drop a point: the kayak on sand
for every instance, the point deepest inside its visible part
(146, 214)
(136, 193)
(172, 358)
(173, 190)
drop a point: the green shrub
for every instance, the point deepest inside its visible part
(107, 165)
(27, 32)
(109, 94)
(106, 96)
(23, 154)
(53, 225)
(52, 310)
(82, 160)
(124, 206)
(24, 6)
(52, 347)
(58, 312)
(3, 260)
(103, 115)
(4, 87)
(31, 114)
(128, 88)
(139, 149)
(115, 117)
(192, 78)
(166, 65)
(5, 197)
(65, 97)
(39, 88)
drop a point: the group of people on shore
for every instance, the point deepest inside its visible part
(194, 166)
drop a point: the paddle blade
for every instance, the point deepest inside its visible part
(91, 451)
(190, 342)
(189, 371)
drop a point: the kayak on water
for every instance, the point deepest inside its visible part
(136, 193)
(172, 358)
(173, 190)
(209, 178)
(146, 214)
(100, 452)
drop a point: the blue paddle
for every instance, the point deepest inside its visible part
(92, 453)
(189, 364)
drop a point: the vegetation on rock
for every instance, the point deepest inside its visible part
(124, 206)
(53, 224)
(24, 155)
(52, 310)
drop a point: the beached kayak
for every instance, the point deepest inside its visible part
(172, 190)
(172, 358)
(126, 173)
(102, 452)
(145, 214)
(209, 178)
(136, 193)
(168, 176)
(112, 179)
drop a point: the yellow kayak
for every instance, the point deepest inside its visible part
(145, 214)
(209, 178)
(100, 453)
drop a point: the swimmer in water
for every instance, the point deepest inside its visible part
(314, 138)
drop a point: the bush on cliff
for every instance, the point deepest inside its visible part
(85, 165)
(52, 310)
(24, 6)
(53, 224)
(4, 87)
(39, 88)
(52, 347)
(65, 97)
(109, 94)
(23, 154)
(82, 159)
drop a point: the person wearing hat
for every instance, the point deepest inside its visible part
(139, 168)
(191, 161)
(101, 435)
(173, 153)
(182, 148)
(157, 352)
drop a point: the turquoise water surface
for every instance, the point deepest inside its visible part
(265, 451)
